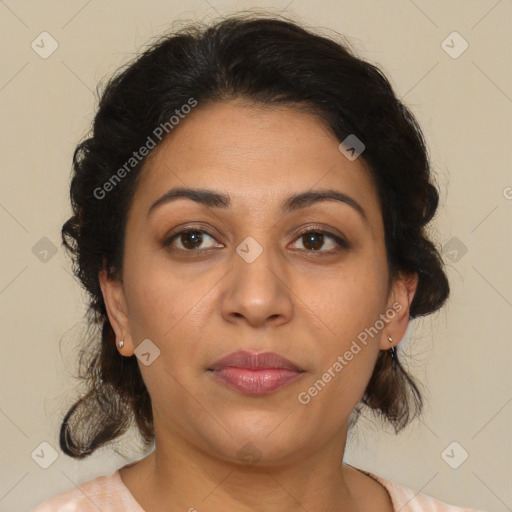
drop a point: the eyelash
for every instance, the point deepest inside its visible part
(341, 243)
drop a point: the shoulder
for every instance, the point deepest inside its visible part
(101, 493)
(406, 499)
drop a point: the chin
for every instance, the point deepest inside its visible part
(265, 443)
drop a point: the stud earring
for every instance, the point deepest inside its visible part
(120, 344)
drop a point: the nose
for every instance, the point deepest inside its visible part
(257, 292)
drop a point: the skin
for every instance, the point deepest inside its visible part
(197, 308)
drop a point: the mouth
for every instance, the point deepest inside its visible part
(255, 374)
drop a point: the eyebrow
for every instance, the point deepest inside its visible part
(292, 203)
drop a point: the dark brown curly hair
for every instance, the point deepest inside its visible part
(268, 60)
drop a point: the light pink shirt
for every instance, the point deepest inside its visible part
(108, 493)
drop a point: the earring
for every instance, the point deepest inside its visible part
(120, 344)
(392, 352)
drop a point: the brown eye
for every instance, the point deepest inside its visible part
(190, 240)
(315, 240)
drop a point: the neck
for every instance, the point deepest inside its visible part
(177, 476)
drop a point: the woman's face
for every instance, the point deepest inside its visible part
(254, 282)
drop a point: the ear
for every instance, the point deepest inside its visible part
(400, 298)
(115, 303)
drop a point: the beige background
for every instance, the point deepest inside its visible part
(463, 354)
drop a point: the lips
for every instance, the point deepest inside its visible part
(254, 361)
(255, 374)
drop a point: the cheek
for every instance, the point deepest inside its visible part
(348, 298)
(157, 297)
(172, 309)
(345, 307)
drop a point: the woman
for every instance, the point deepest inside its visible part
(249, 221)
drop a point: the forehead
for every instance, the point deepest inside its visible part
(258, 155)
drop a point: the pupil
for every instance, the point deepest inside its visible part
(311, 238)
(191, 238)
